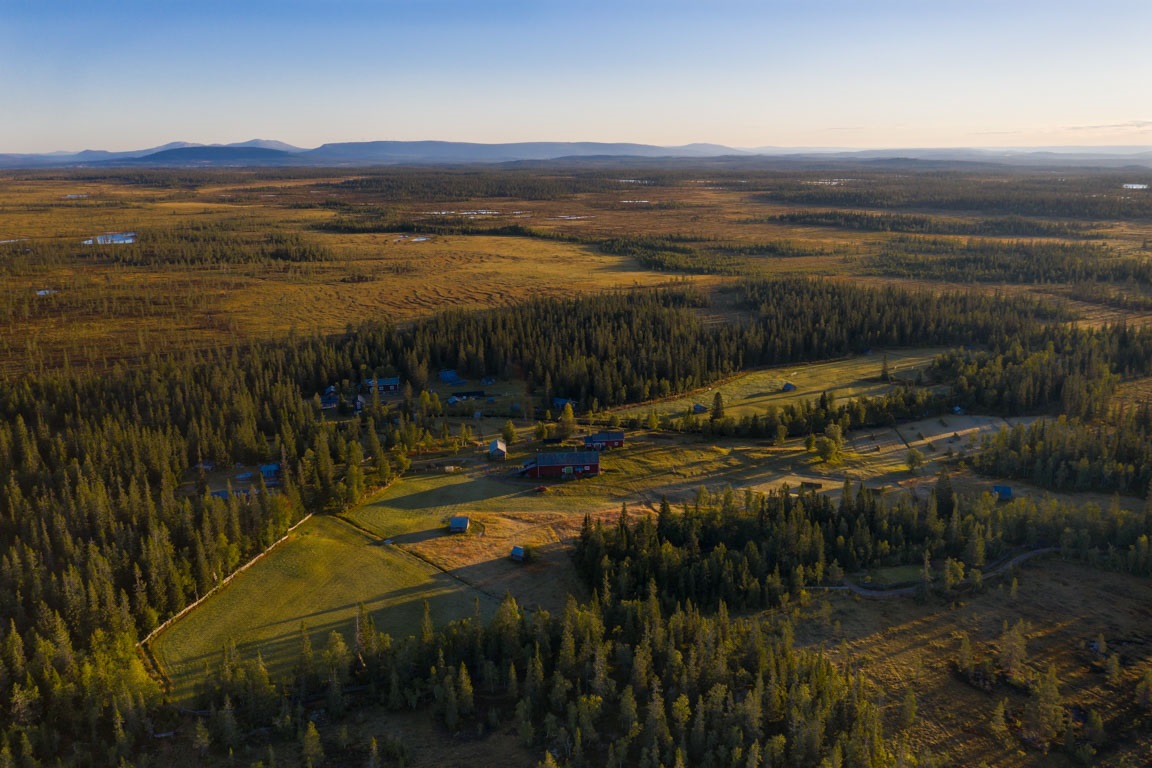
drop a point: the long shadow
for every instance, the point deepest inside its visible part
(440, 497)
(280, 650)
(415, 537)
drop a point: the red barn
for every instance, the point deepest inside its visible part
(563, 465)
(604, 440)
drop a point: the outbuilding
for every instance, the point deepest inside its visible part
(449, 376)
(517, 554)
(604, 440)
(459, 524)
(383, 386)
(271, 473)
(497, 450)
(563, 465)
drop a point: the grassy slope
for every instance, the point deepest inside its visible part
(752, 392)
(319, 576)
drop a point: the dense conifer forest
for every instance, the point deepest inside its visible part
(101, 543)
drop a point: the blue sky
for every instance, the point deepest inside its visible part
(849, 73)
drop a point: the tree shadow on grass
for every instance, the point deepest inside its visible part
(395, 611)
(469, 493)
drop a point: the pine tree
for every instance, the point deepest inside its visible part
(427, 629)
(964, 655)
(717, 407)
(202, 738)
(1112, 670)
(464, 694)
(567, 424)
(998, 722)
(311, 749)
(1046, 708)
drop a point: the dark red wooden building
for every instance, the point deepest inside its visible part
(563, 465)
(604, 440)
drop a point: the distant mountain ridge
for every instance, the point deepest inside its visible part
(272, 153)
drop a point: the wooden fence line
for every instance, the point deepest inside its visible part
(223, 583)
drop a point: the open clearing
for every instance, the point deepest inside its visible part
(900, 644)
(393, 551)
(752, 392)
(319, 576)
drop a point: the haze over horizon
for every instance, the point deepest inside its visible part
(127, 74)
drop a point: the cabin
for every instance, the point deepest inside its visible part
(788, 387)
(699, 408)
(808, 485)
(1003, 492)
(383, 386)
(270, 473)
(330, 399)
(448, 376)
(602, 441)
(517, 555)
(497, 450)
(459, 524)
(563, 465)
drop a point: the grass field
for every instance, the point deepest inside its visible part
(319, 576)
(752, 392)
(900, 644)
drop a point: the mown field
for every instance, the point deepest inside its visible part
(318, 579)
(750, 393)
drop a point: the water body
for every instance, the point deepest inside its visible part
(112, 238)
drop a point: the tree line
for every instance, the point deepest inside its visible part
(1010, 261)
(1075, 195)
(923, 224)
(1112, 454)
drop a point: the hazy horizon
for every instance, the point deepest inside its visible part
(127, 74)
(782, 150)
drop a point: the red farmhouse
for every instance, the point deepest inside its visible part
(604, 440)
(564, 465)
